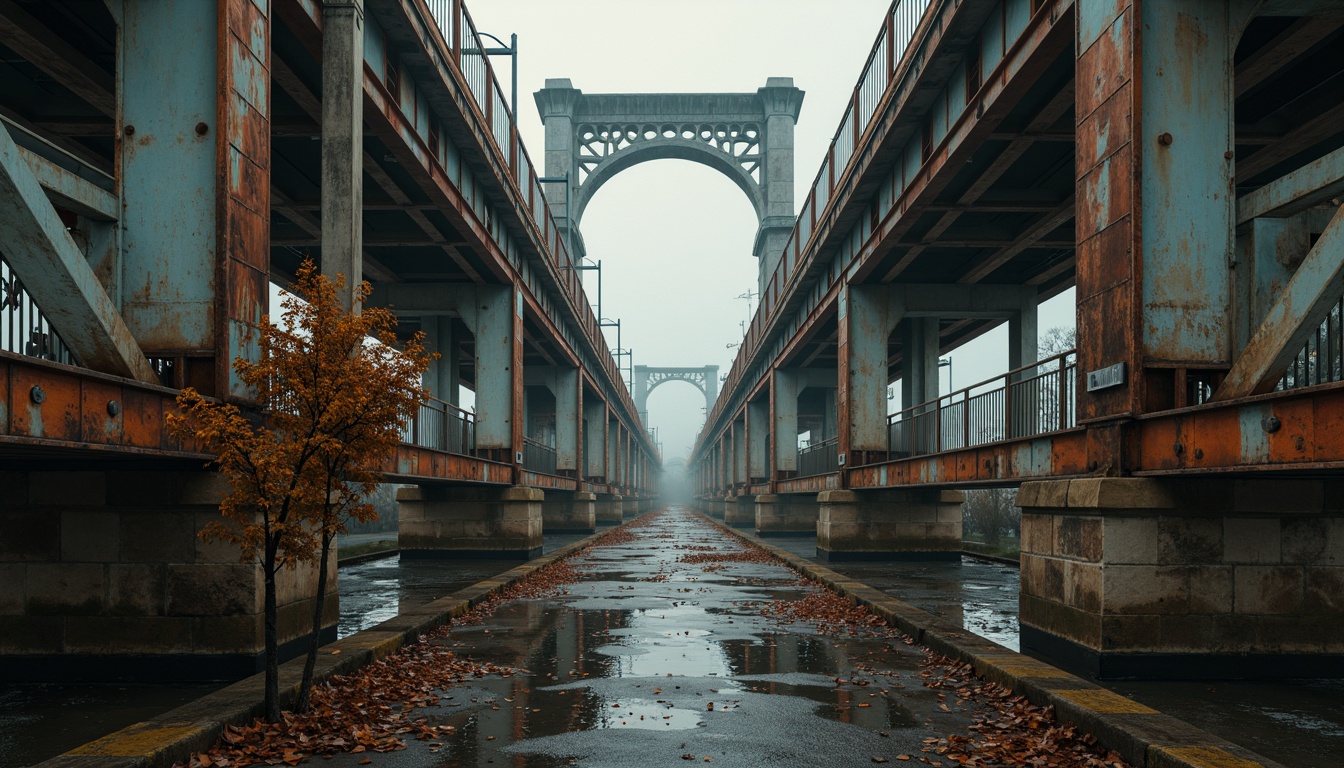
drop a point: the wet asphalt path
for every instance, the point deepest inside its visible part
(650, 660)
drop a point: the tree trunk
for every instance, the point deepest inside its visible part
(306, 686)
(272, 647)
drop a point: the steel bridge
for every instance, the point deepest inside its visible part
(161, 165)
(1180, 164)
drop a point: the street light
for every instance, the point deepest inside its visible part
(947, 361)
(510, 50)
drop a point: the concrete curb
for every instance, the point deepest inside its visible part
(194, 727)
(1145, 737)
(367, 556)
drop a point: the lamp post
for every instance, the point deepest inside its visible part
(947, 362)
(510, 50)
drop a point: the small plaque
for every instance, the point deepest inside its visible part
(1110, 376)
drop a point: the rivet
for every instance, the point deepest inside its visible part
(1199, 453)
(37, 394)
(202, 129)
(1229, 154)
(129, 130)
(1271, 424)
(113, 407)
(1164, 139)
(1178, 449)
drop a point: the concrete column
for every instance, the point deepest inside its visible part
(1022, 333)
(786, 515)
(499, 385)
(103, 578)
(919, 360)
(784, 401)
(556, 104)
(781, 102)
(595, 435)
(1125, 577)
(442, 377)
(563, 384)
(569, 512)
(343, 142)
(610, 509)
(740, 511)
(913, 524)
(629, 507)
(758, 440)
(438, 521)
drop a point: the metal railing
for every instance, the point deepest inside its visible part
(1032, 400)
(1321, 358)
(466, 49)
(442, 427)
(538, 457)
(24, 330)
(884, 62)
(819, 458)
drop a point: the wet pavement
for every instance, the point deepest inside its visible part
(374, 591)
(650, 659)
(1297, 722)
(42, 721)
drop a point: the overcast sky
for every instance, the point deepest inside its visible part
(675, 237)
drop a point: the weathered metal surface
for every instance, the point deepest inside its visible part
(423, 465)
(57, 275)
(1062, 454)
(1312, 184)
(1312, 290)
(552, 482)
(813, 484)
(84, 410)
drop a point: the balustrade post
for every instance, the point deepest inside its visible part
(1007, 407)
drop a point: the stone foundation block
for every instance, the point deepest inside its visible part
(610, 510)
(1125, 577)
(786, 515)
(889, 525)
(569, 512)
(740, 511)
(484, 522)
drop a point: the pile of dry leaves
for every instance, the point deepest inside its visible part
(1013, 731)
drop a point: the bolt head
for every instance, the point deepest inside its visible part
(37, 394)
(1164, 139)
(113, 408)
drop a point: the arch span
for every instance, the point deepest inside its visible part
(647, 379)
(746, 136)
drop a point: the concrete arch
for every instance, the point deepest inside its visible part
(647, 379)
(667, 149)
(748, 137)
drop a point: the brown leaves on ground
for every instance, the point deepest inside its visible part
(752, 555)
(1013, 731)
(831, 614)
(371, 710)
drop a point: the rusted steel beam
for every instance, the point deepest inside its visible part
(70, 190)
(1309, 294)
(1312, 184)
(414, 464)
(1295, 41)
(1303, 135)
(45, 50)
(58, 276)
(48, 404)
(1031, 237)
(1292, 431)
(1060, 454)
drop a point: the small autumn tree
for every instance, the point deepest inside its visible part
(334, 389)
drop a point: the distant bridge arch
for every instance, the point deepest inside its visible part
(747, 137)
(648, 378)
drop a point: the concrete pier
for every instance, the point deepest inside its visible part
(103, 577)
(1134, 577)
(569, 512)
(889, 525)
(445, 522)
(786, 515)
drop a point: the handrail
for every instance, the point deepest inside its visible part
(902, 20)
(455, 25)
(1031, 400)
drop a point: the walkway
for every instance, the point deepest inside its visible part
(669, 641)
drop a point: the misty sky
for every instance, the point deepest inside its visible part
(675, 237)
